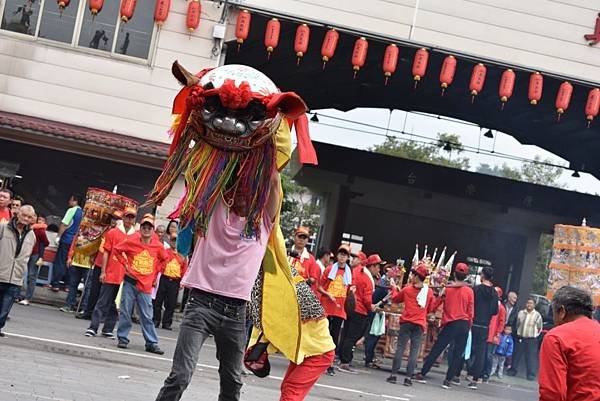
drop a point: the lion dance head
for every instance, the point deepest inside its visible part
(224, 128)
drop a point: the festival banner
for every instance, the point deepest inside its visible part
(99, 205)
(575, 260)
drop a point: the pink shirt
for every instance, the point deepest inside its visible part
(224, 262)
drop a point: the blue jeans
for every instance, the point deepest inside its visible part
(32, 274)
(370, 346)
(8, 293)
(130, 295)
(76, 274)
(59, 267)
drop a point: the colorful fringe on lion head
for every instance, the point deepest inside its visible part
(224, 124)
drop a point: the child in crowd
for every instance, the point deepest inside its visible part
(504, 350)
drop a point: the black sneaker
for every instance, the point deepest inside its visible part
(122, 344)
(455, 381)
(2, 334)
(472, 385)
(407, 382)
(84, 316)
(331, 371)
(485, 379)
(446, 384)
(154, 349)
(168, 328)
(392, 379)
(108, 335)
(419, 378)
(90, 333)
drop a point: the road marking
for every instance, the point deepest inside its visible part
(277, 378)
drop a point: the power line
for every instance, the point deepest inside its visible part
(431, 141)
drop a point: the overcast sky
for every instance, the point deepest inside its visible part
(429, 126)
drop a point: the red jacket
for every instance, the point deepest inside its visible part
(569, 368)
(459, 304)
(413, 313)
(338, 290)
(175, 265)
(309, 269)
(364, 290)
(497, 325)
(114, 268)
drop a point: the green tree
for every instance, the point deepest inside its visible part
(299, 207)
(540, 273)
(540, 172)
(441, 152)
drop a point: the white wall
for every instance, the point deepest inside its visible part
(68, 85)
(540, 34)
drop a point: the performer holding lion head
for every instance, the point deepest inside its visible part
(231, 138)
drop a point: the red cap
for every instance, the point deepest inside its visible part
(344, 248)
(421, 270)
(130, 211)
(462, 268)
(373, 260)
(117, 214)
(148, 218)
(303, 230)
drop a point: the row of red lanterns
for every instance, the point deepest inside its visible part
(419, 67)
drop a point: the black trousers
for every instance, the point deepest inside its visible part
(94, 283)
(455, 333)
(525, 347)
(106, 309)
(166, 295)
(355, 329)
(335, 326)
(478, 342)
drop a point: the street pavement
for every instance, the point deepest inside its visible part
(46, 357)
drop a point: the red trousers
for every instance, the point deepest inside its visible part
(299, 379)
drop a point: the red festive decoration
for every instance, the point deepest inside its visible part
(95, 6)
(359, 54)
(272, 35)
(477, 80)
(161, 11)
(536, 85)
(242, 27)
(447, 72)
(592, 106)
(127, 10)
(419, 67)
(563, 98)
(192, 20)
(507, 85)
(390, 61)
(62, 4)
(301, 41)
(329, 44)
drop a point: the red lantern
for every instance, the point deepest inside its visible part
(563, 98)
(161, 11)
(127, 10)
(329, 44)
(301, 41)
(359, 54)
(390, 61)
(536, 85)
(477, 80)
(447, 72)
(592, 106)
(419, 67)
(242, 27)
(62, 4)
(507, 85)
(95, 6)
(272, 35)
(192, 21)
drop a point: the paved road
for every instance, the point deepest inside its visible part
(46, 357)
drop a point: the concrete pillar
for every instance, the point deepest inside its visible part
(529, 260)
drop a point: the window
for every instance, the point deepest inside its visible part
(77, 27)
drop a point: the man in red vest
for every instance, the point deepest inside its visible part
(168, 287)
(303, 261)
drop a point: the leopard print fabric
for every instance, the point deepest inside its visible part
(310, 307)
